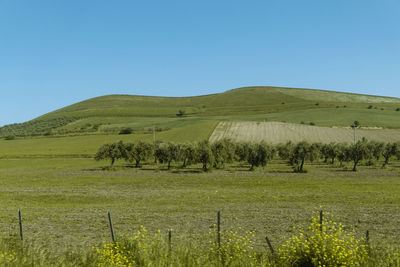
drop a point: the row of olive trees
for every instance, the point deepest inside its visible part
(210, 155)
(298, 153)
(217, 154)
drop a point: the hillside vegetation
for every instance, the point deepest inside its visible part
(110, 114)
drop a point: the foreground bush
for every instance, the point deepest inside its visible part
(325, 244)
(146, 249)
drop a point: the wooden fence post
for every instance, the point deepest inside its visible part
(20, 225)
(320, 220)
(219, 228)
(269, 245)
(111, 226)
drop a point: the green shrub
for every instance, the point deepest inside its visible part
(126, 131)
(9, 137)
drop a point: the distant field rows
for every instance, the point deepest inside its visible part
(87, 145)
(278, 132)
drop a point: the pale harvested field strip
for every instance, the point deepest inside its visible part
(279, 132)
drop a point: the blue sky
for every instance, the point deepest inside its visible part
(56, 53)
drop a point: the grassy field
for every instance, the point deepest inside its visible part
(87, 145)
(64, 200)
(277, 132)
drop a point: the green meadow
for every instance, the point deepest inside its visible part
(64, 201)
(47, 171)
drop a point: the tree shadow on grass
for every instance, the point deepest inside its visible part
(190, 170)
(280, 171)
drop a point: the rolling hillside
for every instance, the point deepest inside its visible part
(109, 114)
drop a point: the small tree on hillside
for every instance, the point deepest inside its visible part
(180, 113)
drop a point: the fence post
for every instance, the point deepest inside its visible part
(320, 220)
(219, 228)
(20, 225)
(269, 245)
(111, 226)
(169, 240)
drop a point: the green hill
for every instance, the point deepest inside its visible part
(111, 113)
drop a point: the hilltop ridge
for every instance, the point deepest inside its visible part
(110, 113)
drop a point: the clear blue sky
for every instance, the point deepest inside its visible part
(55, 53)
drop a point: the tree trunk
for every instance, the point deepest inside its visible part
(137, 163)
(184, 163)
(386, 162)
(251, 167)
(205, 166)
(169, 164)
(355, 166)
(302, 164)
(112, 161)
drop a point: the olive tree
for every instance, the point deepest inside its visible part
(301, 152)
(172, 153)
(242, 151)
(388, 151)
(138, 152)
(204, 154)
(330, 151)
(358, 152)
(260, 154)
(285, 151)
(110, 152)
(342, 153)
(186, 154)
(223, 152)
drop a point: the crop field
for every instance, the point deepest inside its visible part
(64, 200)
(277, 132)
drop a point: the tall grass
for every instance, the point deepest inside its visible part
(326, 244)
